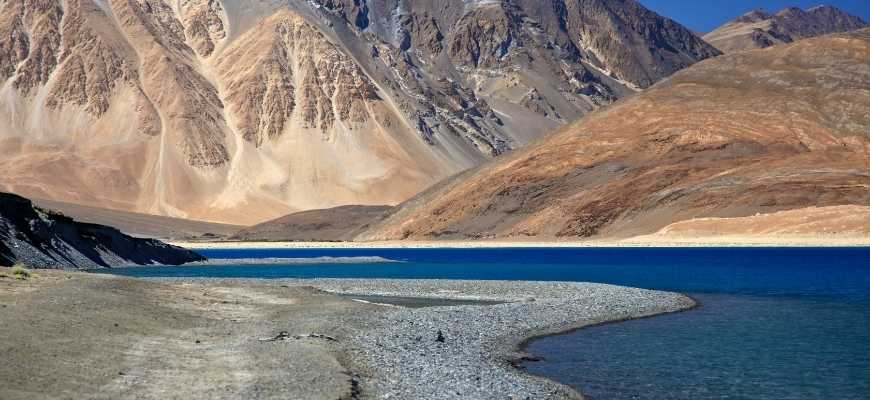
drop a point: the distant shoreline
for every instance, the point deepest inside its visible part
(640, 242)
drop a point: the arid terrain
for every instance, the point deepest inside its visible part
(330, 225)
(758, 29)
(104, 337)
(286, 121)
(142, 225)
(240, 111)
(835, 225)
(756, 132)
(138, 137)
(80, 335)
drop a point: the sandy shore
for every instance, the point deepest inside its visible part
(90, 336)
(77, 335)
(642, 241)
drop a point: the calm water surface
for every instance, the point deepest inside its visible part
(774, 323)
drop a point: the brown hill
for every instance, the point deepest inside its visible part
(331, 225)
(142, 225)
(754, 132)
(758, 29)
(813, 225)
(241, 111)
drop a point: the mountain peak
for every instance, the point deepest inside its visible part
(754, 16)
(212, 110)
(715, 140)
(790, 11)
(757, 29)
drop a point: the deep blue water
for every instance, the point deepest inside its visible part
(774, 323)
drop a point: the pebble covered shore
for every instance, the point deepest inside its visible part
(467, 351)
(402, 355)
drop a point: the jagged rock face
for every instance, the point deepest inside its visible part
(757, 132)
(622, 37)
(758, 29)
(191, 104)
(204, 24)
(242, 111)
(635, 43)
(331, 86)
(484, 37)
(90, 69)
(35, 49)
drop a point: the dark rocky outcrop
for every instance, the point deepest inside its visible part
(44, 239)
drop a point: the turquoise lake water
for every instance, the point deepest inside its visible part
(773, 323)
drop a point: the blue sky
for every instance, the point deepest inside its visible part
(706, 15)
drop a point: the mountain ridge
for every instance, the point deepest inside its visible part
(758, 29)
(752, 132)
(242, 111)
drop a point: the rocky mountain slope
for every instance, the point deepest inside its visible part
(239, 111)
(45, 239)
(763, 131)
(758, 29)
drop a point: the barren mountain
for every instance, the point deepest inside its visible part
(45, 239)
(142, 225)
(240, 111)
(758, 29)
(330, 225)
(748, 133)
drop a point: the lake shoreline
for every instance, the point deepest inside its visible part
(237, 332)
(522, 346)
(641, 242)
(485, 343)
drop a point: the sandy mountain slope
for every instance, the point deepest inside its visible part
(141, 225)
(753, 132)
(242, 111)
(758, 29)
(834, 224)
(330, 225)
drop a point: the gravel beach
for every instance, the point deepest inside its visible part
(398, 353)
(402, 355)
(79, 335)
